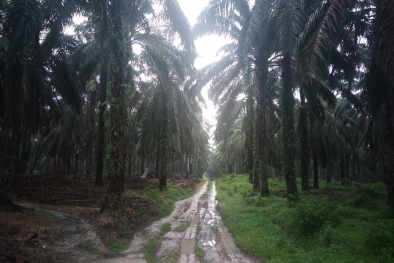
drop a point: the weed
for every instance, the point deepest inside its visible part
(198, 229)
(182, 227)
(172, 257)
(165, 228)
(150, 250)
(117, 247)
(166, 199)
(94, 250)
(311, 230)
(380, 237)
(200, 254)
(309, 215)
(209, 187)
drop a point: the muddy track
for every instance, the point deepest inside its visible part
(205, 232)
(71, 240)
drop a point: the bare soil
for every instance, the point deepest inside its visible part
(71, 229)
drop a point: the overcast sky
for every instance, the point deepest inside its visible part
(207, 48)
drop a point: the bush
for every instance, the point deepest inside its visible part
(310, 215)
(363, 198)
(380, 238)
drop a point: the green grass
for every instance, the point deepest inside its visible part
(198, 229)
(150, 250)
(209, 187)
(165, 228)
(94, 250)
(200, 254)
(357, 228)
(117, 247)
(166, 199)
(182, 227)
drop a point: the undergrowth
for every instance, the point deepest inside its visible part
(150, 250)
(346, 223)
(165, 199)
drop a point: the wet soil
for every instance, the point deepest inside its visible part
(71, 238)
(206, 231)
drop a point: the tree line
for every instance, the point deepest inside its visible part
(113, 98)
(304, 88)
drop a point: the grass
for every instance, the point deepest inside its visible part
(209, 187)
(358, 227)
(200, 254)
(94, 250)
(198, 229)
(182, 227)
(165, 228)
(117, 247)
(150, 250)
(165, 199)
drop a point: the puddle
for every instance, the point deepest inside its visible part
(214, 238)
(206, 230)
(187, 246)
(228, 243)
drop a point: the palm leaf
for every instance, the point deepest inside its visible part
(315, 43)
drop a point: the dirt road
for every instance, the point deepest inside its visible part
(205, 233)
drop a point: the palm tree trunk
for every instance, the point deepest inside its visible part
(342, 174)
(315, 170)
(304, 154)
(101, 122)
(262, 132)
(249, 135)
(389, 150)
(25, 151)
(163, 142)
(287, 108)
(103, 97)
(118, 114)
(12, 127)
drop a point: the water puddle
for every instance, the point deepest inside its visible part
(206, 230)
(187, 246)
(214, 238)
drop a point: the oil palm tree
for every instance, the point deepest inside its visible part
(27, 61)
(380, 96)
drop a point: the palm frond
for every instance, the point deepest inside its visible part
(289, 23)
(316, 42)
(23, 23)
(256, 26)
(384, 36)
(179, 23)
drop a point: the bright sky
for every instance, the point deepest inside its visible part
(207, 48)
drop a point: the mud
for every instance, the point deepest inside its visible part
(206, 230)
(73, 239)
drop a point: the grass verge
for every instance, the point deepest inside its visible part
(349, 223)
(165, 228)
(182, 227)
(200, 254)
(150, 250)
